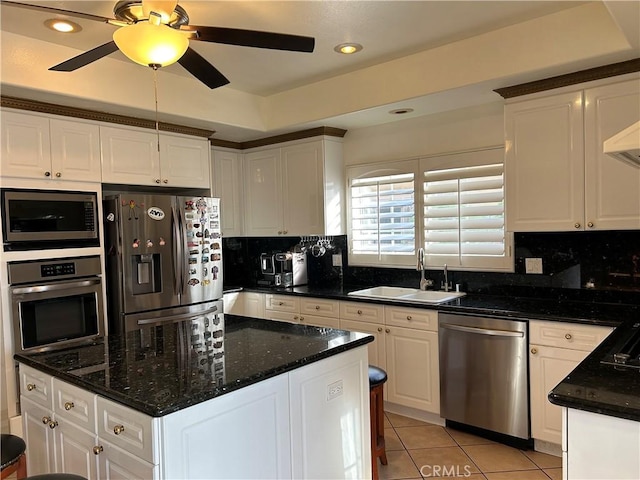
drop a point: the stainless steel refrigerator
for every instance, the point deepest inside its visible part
(164, 258)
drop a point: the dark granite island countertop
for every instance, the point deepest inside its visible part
(163, 369)
(602, 388)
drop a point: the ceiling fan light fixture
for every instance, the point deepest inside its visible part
(149, 44)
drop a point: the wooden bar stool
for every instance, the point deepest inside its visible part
(377, 377)
(14, 460)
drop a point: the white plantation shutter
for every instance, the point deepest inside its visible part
(382, 219)
(463, 214)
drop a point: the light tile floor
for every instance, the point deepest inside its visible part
(417, 450)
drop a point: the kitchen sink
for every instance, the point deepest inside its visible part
(404, 294)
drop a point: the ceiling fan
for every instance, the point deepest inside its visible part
(156, 33)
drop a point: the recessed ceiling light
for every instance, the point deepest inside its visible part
(401, 111)
(348, 48)
(63, 26)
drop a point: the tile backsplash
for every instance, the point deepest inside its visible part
(591, 266)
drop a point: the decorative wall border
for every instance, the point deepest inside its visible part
(582, 76)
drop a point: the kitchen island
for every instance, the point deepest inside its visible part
(248, 399)
(601, 410)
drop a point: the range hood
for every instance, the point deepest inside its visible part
(625, 145)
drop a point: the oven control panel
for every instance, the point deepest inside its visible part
(57, 269)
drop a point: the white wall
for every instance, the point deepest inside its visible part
(453, 131)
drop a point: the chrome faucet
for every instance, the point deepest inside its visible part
(446, 286)
(423, 281)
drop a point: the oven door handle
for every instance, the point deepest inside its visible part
(54, 286)
(482, 331)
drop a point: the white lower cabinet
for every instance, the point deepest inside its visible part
(246, 304)
(319, 312)
(599, 446)
(255, 422)
(60, 429)
(555, 349)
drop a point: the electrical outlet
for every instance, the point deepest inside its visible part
(336, 258)
(334, 390)
(533, 265)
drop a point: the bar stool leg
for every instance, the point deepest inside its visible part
(21, 472)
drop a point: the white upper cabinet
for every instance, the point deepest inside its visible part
(612, 186)
(295, 189)
(185, 161)
(36, 146)
(226, 183)
(557, 176)
(132, 156)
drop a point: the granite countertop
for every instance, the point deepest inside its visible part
(590, 313)
(162, 369)
(602, 388)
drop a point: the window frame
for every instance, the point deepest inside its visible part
(417, 166)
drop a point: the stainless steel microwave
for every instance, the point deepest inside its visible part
(39, 219)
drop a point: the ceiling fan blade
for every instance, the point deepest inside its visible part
(59, 11)
(202, 69)
(251, 38)
(86, 58)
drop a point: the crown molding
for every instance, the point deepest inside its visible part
(574, 78)
(66, 111)
(287, 137)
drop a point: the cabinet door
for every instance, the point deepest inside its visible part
(302, 189)
(411, 318)
(226, 181)
(253, 304)
(544, 163)
(38, 437)
(612, 186)
(184, 161)
(320, 307)
(129, 157)
(413, 368)
(75, 151)
(26, 149)
(117, 464)
(254, 439)
(377, 350)
(547, 367)
(263, 193)
(74, 450)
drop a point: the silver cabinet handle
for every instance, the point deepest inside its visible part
(53, 424)
(58, 174)
(68, 406)
(165, 181)
(98, 449)
(317, 307)
(46, 420)
(118, 429)
(568, 336)
(534, 350)
(47, 174)
(157, 180)
(409, 317)
(577, 225)
(590, 224)
(359, 312)
(380, 329)
(31, 386)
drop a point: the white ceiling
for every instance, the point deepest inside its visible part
(388, 30)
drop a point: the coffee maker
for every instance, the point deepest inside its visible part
(283, 269)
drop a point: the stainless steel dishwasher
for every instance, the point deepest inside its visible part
(483, 373)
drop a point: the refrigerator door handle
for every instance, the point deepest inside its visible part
(177, 256)
(183, 251)
(172, 318)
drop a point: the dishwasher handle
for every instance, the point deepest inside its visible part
(482, 331)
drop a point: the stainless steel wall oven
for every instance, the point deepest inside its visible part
(56, 303)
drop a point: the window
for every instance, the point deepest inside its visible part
(463, 211)
(382, 216)
(459, 199)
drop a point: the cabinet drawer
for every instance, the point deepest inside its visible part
(290, 317)
(412, 318)
(567, 335)
(126, 428)
(363, 312)
(320, 307)
(74, 404)
(36, 386)
(283, 303)
(318, 321)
